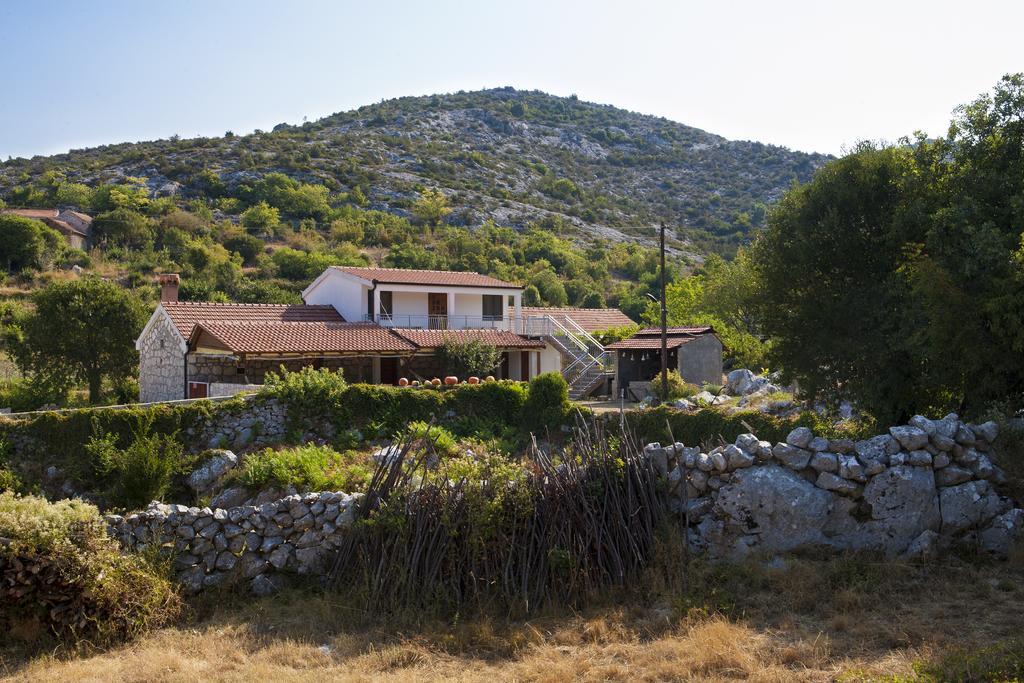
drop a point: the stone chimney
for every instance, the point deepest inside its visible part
(169, 287)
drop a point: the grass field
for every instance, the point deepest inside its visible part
(813, 620)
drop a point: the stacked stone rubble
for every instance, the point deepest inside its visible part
(248, 542)
(919, 487)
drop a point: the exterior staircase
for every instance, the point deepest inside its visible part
(585, 363)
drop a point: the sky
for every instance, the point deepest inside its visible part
(809, 75)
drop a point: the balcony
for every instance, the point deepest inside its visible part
(443, 322)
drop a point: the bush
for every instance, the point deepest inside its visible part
(439, 438)
(547, 403)
(307, 468)
(60, 571)
(308, 393)
(142, 470)
(677, 386)
(1002, 661)
(465, 359)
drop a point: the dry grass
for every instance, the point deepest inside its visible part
(816, 620)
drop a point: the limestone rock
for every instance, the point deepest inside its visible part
(800, 437)
(967, 505)
(910, 437)
(213, 468)
(1005, 530)
(924, 547)
(230, 497)
(831, 482)
(987, 431)
(952, 475)
(736, 458)
(825, 462)
(791, 456)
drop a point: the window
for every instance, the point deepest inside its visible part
(385, 304)
(493, 306)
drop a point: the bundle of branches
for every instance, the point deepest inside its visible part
(554, 530)
(60, 572)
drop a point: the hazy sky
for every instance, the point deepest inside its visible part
(816, 75)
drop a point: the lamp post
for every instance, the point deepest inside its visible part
(664, 323)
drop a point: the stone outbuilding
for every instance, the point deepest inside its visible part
(695, 352)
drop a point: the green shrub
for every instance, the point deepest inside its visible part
(142, 470)
(439, 437)
(708, 424)
(677, 386)
(1003, 661)
(547, 403)
(307, 468)
(470, 358)
(64, 573)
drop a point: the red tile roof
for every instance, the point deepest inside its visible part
(300, 337)
(38, 214)
(701, 329)
(441, 278)
(590, 319)
(64, 226)
(186, 314)
(431, 339)
(649, 343)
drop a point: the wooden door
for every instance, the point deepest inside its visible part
(198, 389)
(437, 308)
(389, 371)
(503, 371)
(524, 365)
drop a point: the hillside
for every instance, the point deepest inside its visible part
(510, 156)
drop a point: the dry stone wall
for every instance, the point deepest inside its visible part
(247, 543)
(914, 491)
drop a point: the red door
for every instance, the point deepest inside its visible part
(198, 389)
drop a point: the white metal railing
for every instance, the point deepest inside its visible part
(442, 322)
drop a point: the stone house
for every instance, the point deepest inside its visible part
(695, 352)
(76, 227)
(375, 325)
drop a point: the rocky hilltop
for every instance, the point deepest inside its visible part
(509, 156)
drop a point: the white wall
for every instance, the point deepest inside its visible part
(347, 296)
(471, 305)
(550, 359)
(408, 303)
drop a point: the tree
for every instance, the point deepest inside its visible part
(262, 216)
(246, 246)
(27, 243)
(431, 207)
(122, 228)
(469, 358)
(80, 331)
(893, 277)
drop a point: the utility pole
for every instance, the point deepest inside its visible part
(664, 323)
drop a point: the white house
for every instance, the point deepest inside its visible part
(374, 324)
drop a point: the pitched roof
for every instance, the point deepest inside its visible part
(700, 329)
(649, 343)
(443, 278)
(37, 214)
(77, 214)
(262, 337)
(185, 314)
(431, 339)
(590, 319)
(64, 226)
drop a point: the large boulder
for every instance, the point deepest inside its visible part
(1004, 531)
(215, 466)
(967, 505)
(775, 510)
(903, 504)
(743, 382)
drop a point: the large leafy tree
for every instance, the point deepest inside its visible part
(27, 243)
(895, 276)
(80, 331)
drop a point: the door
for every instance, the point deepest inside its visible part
(198, 389)
(503, 371)
(389, 371)
(524, 365)
(437, 308)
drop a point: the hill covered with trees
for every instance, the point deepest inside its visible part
(514, 157)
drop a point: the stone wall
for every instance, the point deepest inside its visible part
(257, 424)
(914, 491)
(161, 363)
(227, 369)
(245, 543)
